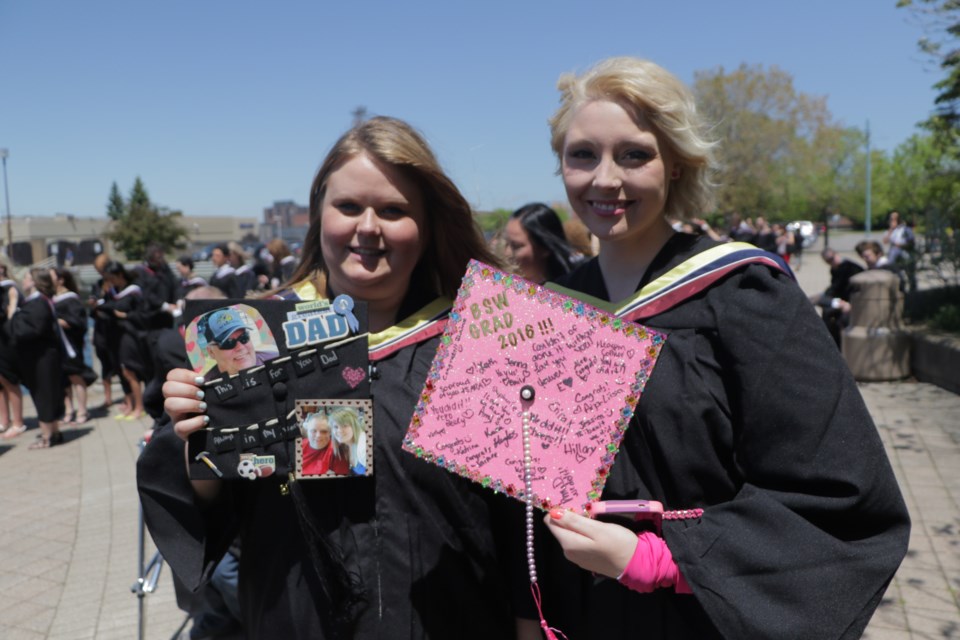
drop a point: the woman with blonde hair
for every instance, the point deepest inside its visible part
(782, 515)
(348, 432)
(408, 553)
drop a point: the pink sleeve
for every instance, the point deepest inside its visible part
(652, 567)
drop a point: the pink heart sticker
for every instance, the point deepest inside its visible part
(191, 346)
(259, 323)
(354, 376)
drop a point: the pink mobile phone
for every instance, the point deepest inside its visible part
(638, 509)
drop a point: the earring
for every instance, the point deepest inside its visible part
(675, 174)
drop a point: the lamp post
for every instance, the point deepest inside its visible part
(4, 153)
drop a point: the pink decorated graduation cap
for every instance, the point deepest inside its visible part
(586, 370)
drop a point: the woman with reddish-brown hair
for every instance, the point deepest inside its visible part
(408, 552)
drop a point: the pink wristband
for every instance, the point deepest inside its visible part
(652, 567)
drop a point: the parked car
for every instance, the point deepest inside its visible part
(806, 230)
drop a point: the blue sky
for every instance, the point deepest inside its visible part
(223, 107)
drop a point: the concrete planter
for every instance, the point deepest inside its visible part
(935, 358)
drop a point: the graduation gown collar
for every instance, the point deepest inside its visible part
(66, 295)
(129, 290)
(425, 323)
(691, 276)
(223, 271)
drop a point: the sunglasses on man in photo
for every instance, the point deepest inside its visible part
(231, 343)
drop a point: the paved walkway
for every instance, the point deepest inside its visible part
(68, 522)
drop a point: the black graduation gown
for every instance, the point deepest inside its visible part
(751, 414)
(225, 279)
(246, 280)
(9, 368)
(419, 539)
(128, 343)
(103, 326)
(39, 348)
(168, 352)
(159, 287)
(189, 284)
(69, 307)
(283, 271)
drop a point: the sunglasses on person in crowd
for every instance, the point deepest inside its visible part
(231, 343)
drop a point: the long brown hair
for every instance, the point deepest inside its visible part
(453, 238)
(43, 281)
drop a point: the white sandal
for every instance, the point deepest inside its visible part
(13, 432)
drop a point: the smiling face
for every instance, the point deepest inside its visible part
(238, 356)
(372, 226)
(531, 260)
(318, 433)
(344, 433)
(616, 173)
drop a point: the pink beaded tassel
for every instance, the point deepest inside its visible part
(527, 394)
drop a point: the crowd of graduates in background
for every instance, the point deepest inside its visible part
(45, 321)
(45, 315)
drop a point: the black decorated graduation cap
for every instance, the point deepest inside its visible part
(259, 358)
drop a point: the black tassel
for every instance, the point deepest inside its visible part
(340, 589)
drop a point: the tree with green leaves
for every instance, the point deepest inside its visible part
(941, 19)
(781, 154)
(115, 204)
(138, 222)
(138, 195)
(928, 167)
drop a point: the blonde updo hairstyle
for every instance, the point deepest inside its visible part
(645, 89)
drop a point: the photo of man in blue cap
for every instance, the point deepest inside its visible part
(230, 343)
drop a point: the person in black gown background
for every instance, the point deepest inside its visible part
(72, 316)
(11, 397)
(39, 343)
(128, 309)
(750, 414)
(224, 278)
(536, 242)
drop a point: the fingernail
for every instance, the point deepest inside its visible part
(202, 406)
(206, 420)
(200, 394)
(556, 513)
(198, 380)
